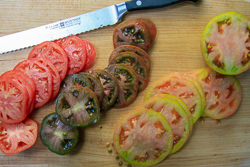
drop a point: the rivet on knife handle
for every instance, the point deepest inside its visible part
(150, 4)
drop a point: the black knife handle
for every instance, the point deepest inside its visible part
(151, 4)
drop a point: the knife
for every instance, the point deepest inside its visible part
(78, 24)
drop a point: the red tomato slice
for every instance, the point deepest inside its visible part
(53, 52)
(42, 77)
(183, 87)
(223, 93)
(18, 137)
(28, 83)
(55, 75)
(143, 137)
(76, 52)
(175, 115)
(91, 53)
(14, 99)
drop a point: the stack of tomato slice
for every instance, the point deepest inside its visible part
(34, 82)
(143, 138)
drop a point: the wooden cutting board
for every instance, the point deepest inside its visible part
(175, 49)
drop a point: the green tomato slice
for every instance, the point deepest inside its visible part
(175, 115)
(143, 137)
(58, 137)
(182, 86)
(223, 93)
(77, 107)
(225, 43)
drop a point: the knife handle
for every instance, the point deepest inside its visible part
(151, 4)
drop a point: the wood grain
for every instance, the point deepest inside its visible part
(175, 49)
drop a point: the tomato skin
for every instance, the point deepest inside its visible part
(76, 52)
(225, 43)
(17, 137)
(91, 54)
(143, 137)
(14, 100)
(132, 32)
(53, 52)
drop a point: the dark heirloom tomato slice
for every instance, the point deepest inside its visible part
(56, 79)
(97, 86)
(128, 84)
(17, 137)
(77, 107)
(26, 82)
(91, 53)
(183, 87)
(75, 80)
(132, 32)
(76, 52)
(131, 48)
(110, 85)
(14, 100)
(225, 43)
(182, 104)
(143, 137)
(150, 25)
(175, 115)
(53, 52)
(223, 93)
(42, 77)
(58, 137)
(136, 63)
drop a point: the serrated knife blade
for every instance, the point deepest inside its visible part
(78, 24)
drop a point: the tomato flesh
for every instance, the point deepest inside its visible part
(183, 87)
(128, 84)
(91, 54)
(143, 137)
(58, 137)
(42, 77)
(225, 43)
(14, 101)
(53, 52)
(76, 52)
(134, 61)
(132, 32)
(17, 137)
(130, 48)
(223, 93)
(175, 115)
(77, 106)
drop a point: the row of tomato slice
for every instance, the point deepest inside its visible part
(34, 82)
(172, 104)
(85, 94)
